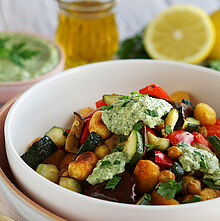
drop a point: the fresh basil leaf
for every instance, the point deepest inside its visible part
(138, 126)
(196, 198)
(152, 113)
(15, 58)
(168, 129)
(111, 184)
(202, 162)
(210, 184)
(169, 189)
(106, 107)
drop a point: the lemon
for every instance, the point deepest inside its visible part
(215, 53)
(181, 33)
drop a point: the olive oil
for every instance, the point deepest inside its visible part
(87, 31)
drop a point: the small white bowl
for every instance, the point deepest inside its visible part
(11, 88)
(52, 101)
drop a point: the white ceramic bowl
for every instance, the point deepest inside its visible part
(52, 101)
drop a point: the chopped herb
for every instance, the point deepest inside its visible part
(169, 189)
(116, 162)
(134, 92)
(151, 146)
(152, 113)
(196, 198)
(113, 183)
(17, 53)
(202, 162)
(147, 197)
(138, 125)
(117, 148)
(106, 107)
(106, 163)
(122, 139)
(210, 184)
(168, 129)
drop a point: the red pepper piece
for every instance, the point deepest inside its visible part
(67, 130)
(90, 114)
(214, 129)
(151, 131)
(217, 121)
(163, 160)
(85, 132)
(200, 139)
(155, 90)
(180, 136)
(100, 103)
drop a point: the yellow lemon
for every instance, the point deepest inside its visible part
(215, 53)
(181, 33)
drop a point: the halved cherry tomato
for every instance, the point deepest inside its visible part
(180, 136)
(200, 139)
(214, 129)
(217, 121)
(155, 90)
(163, 160)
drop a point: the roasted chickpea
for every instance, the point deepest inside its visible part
(82, 167)
(208, 194)
(194, 187)
(205, 114)
(186, 180)
(174, 152)
(203, 131)
(96, 124)
(101, 151)
(146, 176)
(165, 175)
(85, 111)
(157, 199)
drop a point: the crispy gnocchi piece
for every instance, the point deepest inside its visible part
(208, 194)
(82, 167)
(85, 111)
(157, 199)
(101, 151)
(96, 125)
(146, 175)
(165, 175)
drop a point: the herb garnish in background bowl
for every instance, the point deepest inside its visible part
(24, 60)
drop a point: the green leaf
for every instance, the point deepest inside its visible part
(168, 129)
(151, 146)
(214, 64)
(106, 107)
(113, 183)
(116, 162)
(210, 184)
(138, 126)
(28, 54)
(15, 58)
(202, 162)
(152, 113)
(16, 47)
(117, 148)
(147, 196)
(196, 198)
(106, 163)
(169, 189)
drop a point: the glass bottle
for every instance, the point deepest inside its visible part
(87, 31)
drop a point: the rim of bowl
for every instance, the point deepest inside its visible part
(57, 68)
(11, 186)
(100, 202)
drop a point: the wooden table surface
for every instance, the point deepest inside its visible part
(40, 16)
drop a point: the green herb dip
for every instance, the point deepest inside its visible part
(111, 165)
(192, 161)
(47, 58)
(124, 115)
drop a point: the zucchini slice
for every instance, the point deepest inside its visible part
(111, 98)
(39, 151)
(73, 138)
(161, 143)
(71, 184)
(215, 141)
(134, 147)
(191, 124)
(57, 134)
(90, 144)
(49, 171)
